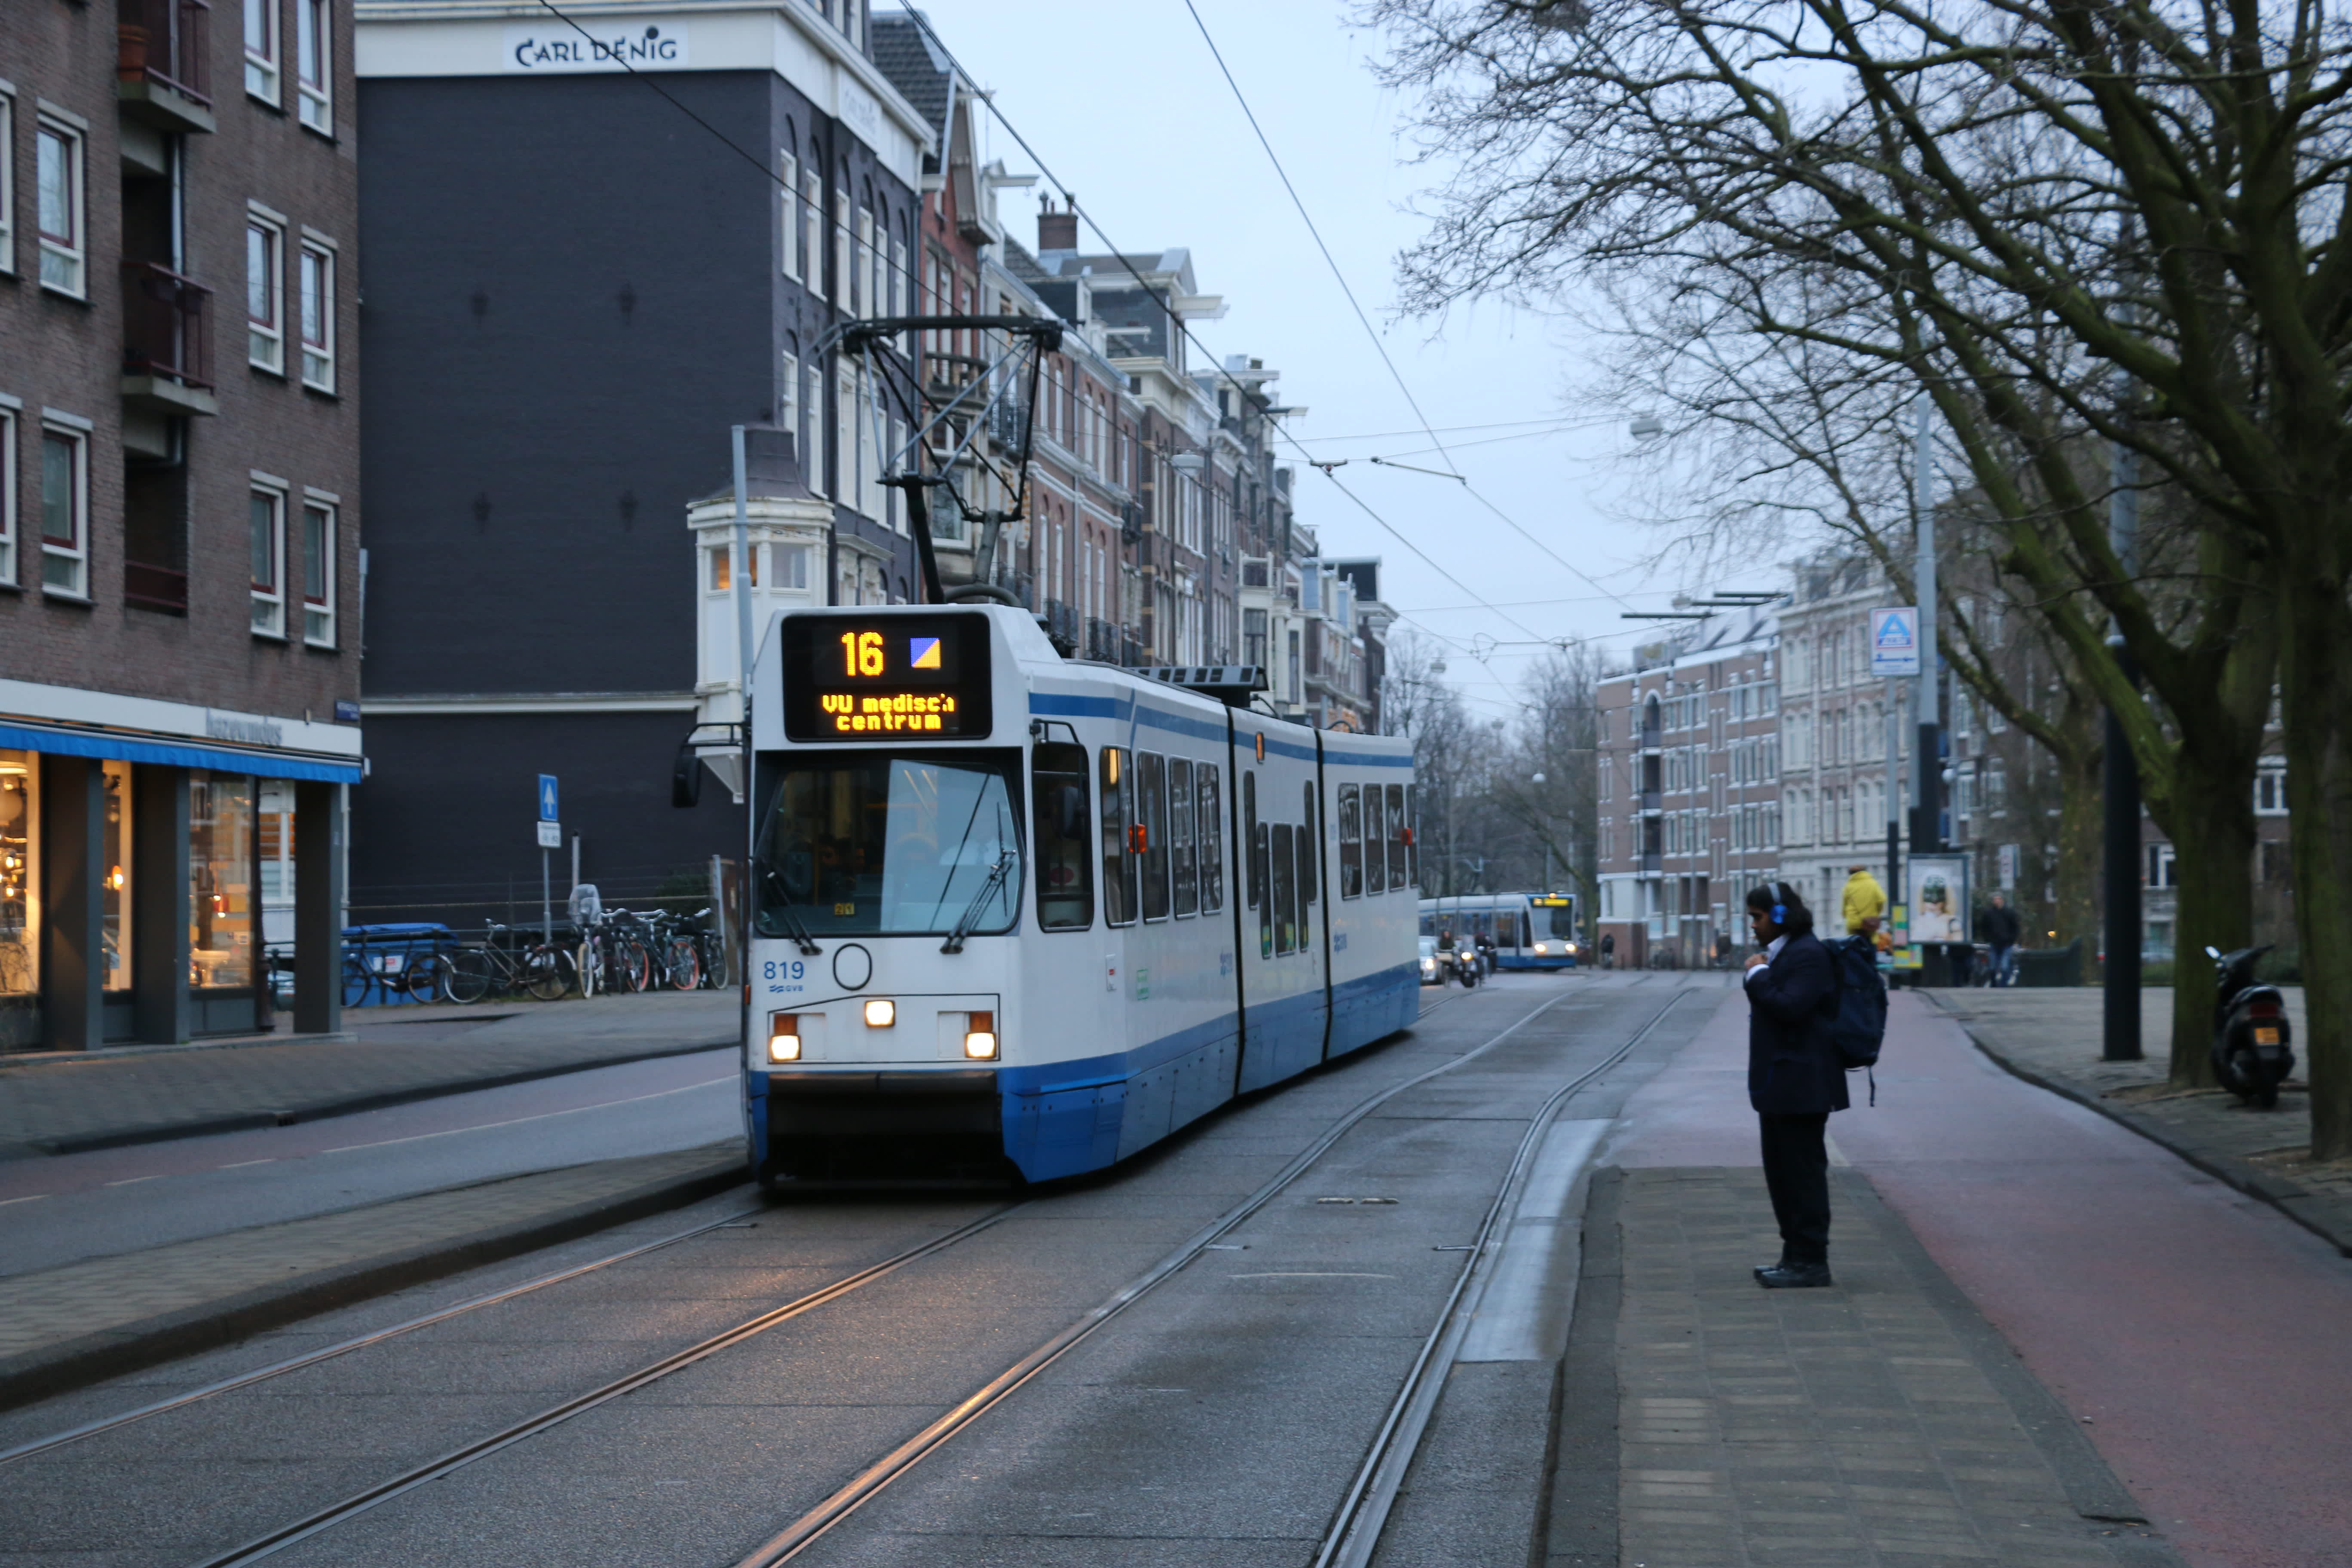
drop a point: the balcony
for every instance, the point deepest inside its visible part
(1103, 641)
(161, 75)
(155, 588)
(1651, 805)
(166, 342)
(1061, 622)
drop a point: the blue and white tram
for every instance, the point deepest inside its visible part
(1529, 931)
(1011, 914)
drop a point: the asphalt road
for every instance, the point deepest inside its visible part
(1218, 1419)
(67, 1207)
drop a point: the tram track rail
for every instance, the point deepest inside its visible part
(1368, 1497)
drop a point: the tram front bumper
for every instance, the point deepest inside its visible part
(883, 1126)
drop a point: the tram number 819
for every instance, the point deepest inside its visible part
(783, 969)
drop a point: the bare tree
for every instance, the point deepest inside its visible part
(2066, 225)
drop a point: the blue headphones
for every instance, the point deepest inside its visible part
(1779, 910)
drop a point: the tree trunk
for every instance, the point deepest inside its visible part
(2081, 779)
(2212, 826)
(2316, 691)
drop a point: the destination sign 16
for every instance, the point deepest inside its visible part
(886, 678)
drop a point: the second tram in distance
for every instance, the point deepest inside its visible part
(1013, 914)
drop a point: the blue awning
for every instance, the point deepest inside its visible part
(176, 753)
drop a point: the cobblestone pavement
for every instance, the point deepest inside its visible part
(2052, 1038)
(1876, 1422)
(83, 1311)
(60, 1104)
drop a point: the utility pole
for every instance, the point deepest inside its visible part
(2120, 1036)
(1926, 778)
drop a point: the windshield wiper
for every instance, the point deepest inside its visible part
(971, 916)
(793, 927)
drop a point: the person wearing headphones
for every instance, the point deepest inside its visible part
(1795, 1078)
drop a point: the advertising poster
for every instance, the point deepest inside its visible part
(1936, 887)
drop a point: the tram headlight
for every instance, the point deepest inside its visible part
(784, 1038)
(881, 1014)
(1543, 947)
(980, 1036)
(1571, 949)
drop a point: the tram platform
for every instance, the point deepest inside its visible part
(67, 1102)
(2031, 1355)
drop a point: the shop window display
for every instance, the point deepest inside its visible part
(114, 888)
(19, 895)
(221, 903)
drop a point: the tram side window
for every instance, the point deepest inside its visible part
(1152, 790)
(1065, 884)
(1253, 845)
(1352, 842)
(1375, 843)
(1211, 836)
(1285, 915)
(1118, 865)
(1180, 838)
(1397, 836)
(1307, 857)
(1412, 834)
(1527, 931)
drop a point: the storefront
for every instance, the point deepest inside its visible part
(148, 879)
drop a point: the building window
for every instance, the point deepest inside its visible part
(788, 238)
(2270, 787)
(319, 572)
(7, 184)
(65, 513)
(813, 233)
(58, 168)
(813, 451)
(266, 542)
(265, 293)
(261, 49)
(20, 880)
(221, 929)
(314, 67)
(788, 406)
(8, 493)
(316, 269)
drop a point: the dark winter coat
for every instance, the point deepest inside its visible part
(1792, 1064)
(1998, 926)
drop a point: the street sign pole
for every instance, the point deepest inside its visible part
(550, 837)
(546, 902)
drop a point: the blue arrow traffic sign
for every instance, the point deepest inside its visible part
(546, 812)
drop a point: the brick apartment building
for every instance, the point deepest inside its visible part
(179, 576)
(1689, 797)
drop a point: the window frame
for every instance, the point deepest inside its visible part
(8, 178)
(1151, 816)
(321, 611)
(268, 614)
(1209, 835)
(1119, 892)
(1038, 772)
(788, 220)
(9, 409)
(265, 76)
(70, 250)
(1184, 854)
(270, 227)
(74, 551)
(314, 101)
(316, 248)
(1400, 837)
(1310, 844)
(1376, 842)
(1351, 841)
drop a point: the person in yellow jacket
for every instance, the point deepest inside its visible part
(1865, 905)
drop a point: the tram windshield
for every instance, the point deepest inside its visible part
(867, 845)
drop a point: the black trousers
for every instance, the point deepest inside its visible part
(1797, 1174)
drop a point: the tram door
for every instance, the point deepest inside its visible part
(1282, 962)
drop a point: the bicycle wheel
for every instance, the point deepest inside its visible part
(428, 979)
(544, 975)
(357, 980)
(589, 966)
(468, 975)
(684, 971)
(635, 964)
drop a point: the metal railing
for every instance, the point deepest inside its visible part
(166, 42)
(155, 587)
(166, 325)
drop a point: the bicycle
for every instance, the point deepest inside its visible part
(542, 968)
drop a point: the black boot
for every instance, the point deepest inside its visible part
(1794, 1277)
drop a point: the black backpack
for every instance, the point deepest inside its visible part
(1859, 1025)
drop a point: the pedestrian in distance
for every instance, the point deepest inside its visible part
(1609, 949)
(1997, 926)
(1795, 1078)
(1864, 903)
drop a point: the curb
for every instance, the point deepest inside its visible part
(320, 1110)
(2297, 1201)
(77, 1364)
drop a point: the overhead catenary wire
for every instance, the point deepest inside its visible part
(1369, 331)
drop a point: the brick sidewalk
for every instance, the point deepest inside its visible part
(75, 1324)
(1881, 1422)
(2052, 1038)
(63, 1104)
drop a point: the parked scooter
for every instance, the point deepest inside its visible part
(2252, 1040)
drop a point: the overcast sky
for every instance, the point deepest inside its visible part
(1125, 105)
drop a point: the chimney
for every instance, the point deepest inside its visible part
(1056, 230)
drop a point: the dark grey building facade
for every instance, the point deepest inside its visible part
(573, 289)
